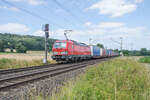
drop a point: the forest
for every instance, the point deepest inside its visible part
(22, 43)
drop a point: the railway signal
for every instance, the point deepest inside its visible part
(46, 30)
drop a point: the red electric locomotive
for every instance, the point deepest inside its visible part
(69, 50)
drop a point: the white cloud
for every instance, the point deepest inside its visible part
(9, 8)
(13, 28)
(110, 25)
(31, 2)
(35, 2)
(39, 33)
(58, 34)
(115, 8)
(138, 1)
(16, 0)
(88, 23)
(104, 31)
(14, 9)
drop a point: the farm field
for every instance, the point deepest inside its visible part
(29, 56)
(18, 60)
(123, 78)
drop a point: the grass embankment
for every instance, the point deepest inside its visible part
(29, 56)
(18, 60)
(13, 63)
(145, 59)
(119, 79)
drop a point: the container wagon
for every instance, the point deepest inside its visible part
(95, 51)
(103, 52)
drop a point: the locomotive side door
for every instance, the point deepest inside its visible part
(72, 46)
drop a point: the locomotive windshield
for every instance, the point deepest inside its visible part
(60, 45)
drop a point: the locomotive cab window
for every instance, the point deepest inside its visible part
(60, 45)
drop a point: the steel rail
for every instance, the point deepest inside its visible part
(15, 81)
(25, 69)
(7, 71)
(37, 72)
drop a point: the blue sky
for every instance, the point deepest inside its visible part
(100, 20)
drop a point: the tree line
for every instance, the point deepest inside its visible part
(22, 43)
(141, 52)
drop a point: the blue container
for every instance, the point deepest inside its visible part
(95, 51)
(107, 52)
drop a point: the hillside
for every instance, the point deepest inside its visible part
(14, 41)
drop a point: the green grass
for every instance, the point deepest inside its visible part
(119, 79)
(18, 60)
(145, 59)
(13, 63)
(28, 52)
(5, 52)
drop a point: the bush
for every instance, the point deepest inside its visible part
(145, 59)
(21, 48)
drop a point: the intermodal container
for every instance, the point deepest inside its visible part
(107, 52)
(95, 51)
(102, 52)
(110, 52)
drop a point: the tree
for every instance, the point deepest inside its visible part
(2, 46)
(20, 48)
(116, 50)
(125, 52)
(100, 45)
(11, 45)
(143, 51)
(30, 42)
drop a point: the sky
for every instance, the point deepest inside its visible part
(101, 21)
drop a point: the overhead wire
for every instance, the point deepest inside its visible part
(62, 17)
(43, 18)
(31, 13)
(71, 14)
(67, 10)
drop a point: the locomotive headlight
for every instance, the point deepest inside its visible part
(64, 52)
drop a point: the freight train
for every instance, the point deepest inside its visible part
(72, 51)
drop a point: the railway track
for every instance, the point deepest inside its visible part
(15, 70)
(17, 77)
(2, 72)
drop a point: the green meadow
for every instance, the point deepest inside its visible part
(118, 79)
